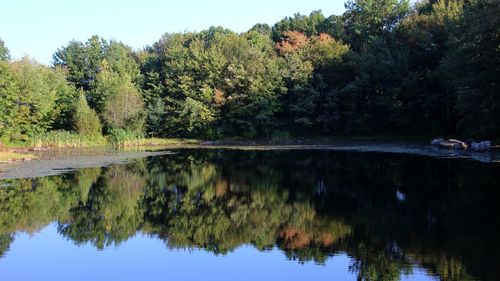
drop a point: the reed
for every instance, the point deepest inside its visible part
(63, 139)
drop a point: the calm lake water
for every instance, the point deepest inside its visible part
(256, 215)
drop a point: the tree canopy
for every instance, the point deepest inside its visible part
(383, 67)
(4, 52)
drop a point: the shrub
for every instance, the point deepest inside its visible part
(85, 120)
(121, 137)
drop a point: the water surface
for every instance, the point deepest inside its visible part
(256, 215)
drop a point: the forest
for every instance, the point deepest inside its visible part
(384, 67)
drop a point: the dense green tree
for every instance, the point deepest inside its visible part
(40, 89)
(34, 99)
(217, 78)
(472, 67)
(334, 26)
(82, 60)
(85, 63)
(67, 96)
(8, 92)
(8, 100)
(425, 99)
(382, 67)
(4, 52)
(85, 120)
(307, 62)
(262, 28)
(155, 115)
(366, 18)
(118, 100)
(309, 25)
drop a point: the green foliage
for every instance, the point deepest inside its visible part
(219, 78)
(83, 60)
(309, 25)
(35, 98)
(67, 96)
(123, 108)
(5, 241)
(382, 67)
(9, 91)
(196, 117)
(108, 74)
(121, 137)
(366, 18)
(472, 67)
(308, 61)
(262, 28)
(4, 52)
(85, 120)
(155, 115)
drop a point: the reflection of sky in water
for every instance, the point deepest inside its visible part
(49, 256)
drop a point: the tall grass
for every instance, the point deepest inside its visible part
(117, 138)
(66, 139)
(123, 138)
(154, 142)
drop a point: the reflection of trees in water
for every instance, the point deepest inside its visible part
(200, 207)
(111, 213)
(30, 204)
(5, 241)
(387, 212)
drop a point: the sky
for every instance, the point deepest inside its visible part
(38, 28)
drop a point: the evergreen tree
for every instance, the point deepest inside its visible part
(4, 52)
(85, 120)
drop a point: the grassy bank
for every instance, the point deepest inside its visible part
(125, 139)
(122, 138)
(154, 142)
(7, 156)
(65, 139)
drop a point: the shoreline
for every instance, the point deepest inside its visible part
(55, 161)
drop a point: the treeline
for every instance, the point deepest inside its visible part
(383, 67)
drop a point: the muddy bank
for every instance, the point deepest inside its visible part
(55, 162)
(400, 148)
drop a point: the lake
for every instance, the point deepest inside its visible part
(256, 215)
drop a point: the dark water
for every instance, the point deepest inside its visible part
(240, 215)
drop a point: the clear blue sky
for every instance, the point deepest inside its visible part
(37, 28)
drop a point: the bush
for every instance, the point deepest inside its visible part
(85, 120)
(121, 137)
(279, 136)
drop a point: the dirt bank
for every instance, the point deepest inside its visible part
(54, 162)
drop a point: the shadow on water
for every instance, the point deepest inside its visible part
(390, 213)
